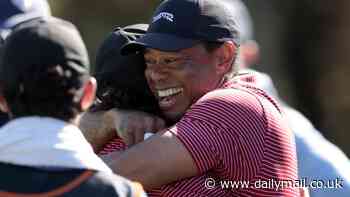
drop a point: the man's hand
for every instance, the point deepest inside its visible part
(131, 126)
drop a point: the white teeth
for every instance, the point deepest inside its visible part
(169, 92)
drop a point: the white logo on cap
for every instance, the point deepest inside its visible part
(165, 15)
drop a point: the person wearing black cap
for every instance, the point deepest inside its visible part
(45, 81)
(225, 129)
(13, 13)
(109, 62)
(121, 85)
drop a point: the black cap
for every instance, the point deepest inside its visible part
(41, 43)
(179, 24)
(121, 80)
(108, 54)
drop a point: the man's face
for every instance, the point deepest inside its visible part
(178, 79)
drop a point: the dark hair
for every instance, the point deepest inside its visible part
(126, 88)
(211, 46)
(53, 91)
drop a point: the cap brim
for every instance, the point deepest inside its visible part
(163, 42)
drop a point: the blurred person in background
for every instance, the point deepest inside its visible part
(46, 85)
(318, 159)
(14, 12)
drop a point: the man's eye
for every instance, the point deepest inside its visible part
(149, 61)
(170, 60)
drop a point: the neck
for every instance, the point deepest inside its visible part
(221, 82)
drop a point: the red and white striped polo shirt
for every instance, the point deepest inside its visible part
(236, 133)
(117, 144)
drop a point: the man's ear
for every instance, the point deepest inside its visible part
(89, 93)
(226, 55)
(3, 104)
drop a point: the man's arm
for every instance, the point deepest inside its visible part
(101, 127)
(97, 128)
(157, 161)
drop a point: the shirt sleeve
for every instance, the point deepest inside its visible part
(199, 139)
(117, 144)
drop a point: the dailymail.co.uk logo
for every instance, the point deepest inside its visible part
(164, 15)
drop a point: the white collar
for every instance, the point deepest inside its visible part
(47, 142)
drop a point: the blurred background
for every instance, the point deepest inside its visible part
(305, 47)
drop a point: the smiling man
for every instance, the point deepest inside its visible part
(225, 129)
(180, 78)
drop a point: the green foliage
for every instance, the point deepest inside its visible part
(96, 18)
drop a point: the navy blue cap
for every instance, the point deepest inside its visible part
(17, 11)
(180, 24)
(14, 12)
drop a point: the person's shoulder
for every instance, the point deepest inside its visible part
(226, 104)
(65, 182)
(106, 184)
(227, 98)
